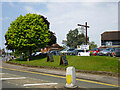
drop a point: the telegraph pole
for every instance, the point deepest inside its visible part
(86, 30)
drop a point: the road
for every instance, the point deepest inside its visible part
(33, 77)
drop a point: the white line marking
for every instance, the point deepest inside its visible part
(2, 73)
(12, 78)
(40, 84)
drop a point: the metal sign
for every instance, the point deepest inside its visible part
(83, 47)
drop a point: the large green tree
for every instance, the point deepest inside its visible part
(74, 38)
(27, 33)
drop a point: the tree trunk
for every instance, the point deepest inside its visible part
(30, 53)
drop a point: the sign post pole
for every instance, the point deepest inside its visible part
(86, 30)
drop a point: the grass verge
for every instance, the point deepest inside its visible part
(92, 63)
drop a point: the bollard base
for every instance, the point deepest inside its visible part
(71, 86)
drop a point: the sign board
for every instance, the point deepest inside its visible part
(84, 54)
(63, 60)
(83, 47)
(109, 43)
(50, 57)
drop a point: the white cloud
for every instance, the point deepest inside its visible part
(11, 4)
(60, 0)
(29, 9)
(5, 18)
(66, 16)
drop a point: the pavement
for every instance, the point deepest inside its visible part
(93, 77)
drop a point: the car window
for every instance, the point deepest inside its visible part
(117, 49)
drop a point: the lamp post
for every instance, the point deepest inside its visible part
(86, 30)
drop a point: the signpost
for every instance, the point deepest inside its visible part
(50, 57)
(63, 60)
(84, 47)
(86, 30)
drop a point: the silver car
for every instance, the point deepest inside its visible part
(106, 52)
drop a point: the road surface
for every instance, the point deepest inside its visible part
(35, 77)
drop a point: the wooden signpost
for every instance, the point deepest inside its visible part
(50, 57)
(63, 60)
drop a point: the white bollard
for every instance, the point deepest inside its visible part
(70, 77)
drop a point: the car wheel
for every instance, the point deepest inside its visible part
(108, 54)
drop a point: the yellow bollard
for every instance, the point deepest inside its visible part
(70, 77)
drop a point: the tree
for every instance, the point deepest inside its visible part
(74, 38)
(3, 51)
(27, 33)
(52, 38)
(92, 45)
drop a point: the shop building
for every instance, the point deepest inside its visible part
(110, 39)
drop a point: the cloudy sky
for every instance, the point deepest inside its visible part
(64, 16)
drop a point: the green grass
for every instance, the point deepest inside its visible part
(92, 63)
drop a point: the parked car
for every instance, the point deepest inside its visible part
(76, 51)
(64, 51)
(95, 51)
(55, 52)
(36, 53)
(116, 52)
(3, 55)
(106, 52)
(67, 51)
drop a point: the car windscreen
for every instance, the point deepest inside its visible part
(95, 49)
(70, 49)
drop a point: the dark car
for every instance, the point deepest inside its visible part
(55, 52)
(116, 52)
(69, 51)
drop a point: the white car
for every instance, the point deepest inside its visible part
(67, 51)
(37, 53)
(64, 51)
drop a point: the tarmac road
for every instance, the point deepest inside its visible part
(55, 78)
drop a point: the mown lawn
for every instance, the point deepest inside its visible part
(92, 63)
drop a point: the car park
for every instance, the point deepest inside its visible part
(76, 51)
(36, 53)
(116, 52)
(67, 51)
(106, 52)
(64, 51)
(55, 52)
(95, 51)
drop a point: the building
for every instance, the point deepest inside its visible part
(110, 39)
(50, 48)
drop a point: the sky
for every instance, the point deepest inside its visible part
(63, 16)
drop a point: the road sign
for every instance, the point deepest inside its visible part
(63, 60)
(83, 47)
(50, 57)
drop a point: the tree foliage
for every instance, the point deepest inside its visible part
(74, 38)
(27, 33)
(53, 38)
(92, 45)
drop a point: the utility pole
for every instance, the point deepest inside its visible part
(86, 30)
